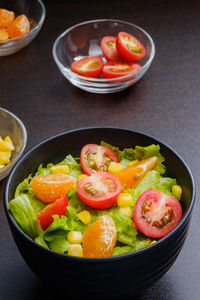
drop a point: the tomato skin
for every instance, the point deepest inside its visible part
(124, 42)
(108, 47)
(58, 207)
(90, 66)
(160, 205)
(93, 148)
(118, 69)
(99, 199)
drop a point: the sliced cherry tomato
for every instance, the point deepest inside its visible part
(100, 190)
(108, 47)
(88, 66)
(50, 187)
(99, 239)
(129, 48)
(58, 207)
(117, 69)
(156, 214)
(132, 175)
(96, 158)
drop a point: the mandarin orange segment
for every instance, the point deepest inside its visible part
(50, 187)
(3, 35)
(99, 239)
(19, 26)
(6, 17)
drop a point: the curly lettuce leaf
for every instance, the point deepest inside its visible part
(73, 164)
(25, 215)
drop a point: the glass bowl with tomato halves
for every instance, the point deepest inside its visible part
(104, 56)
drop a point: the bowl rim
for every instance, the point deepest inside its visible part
(103, 80)
(23, 128)
(35, 28)
(98, 259)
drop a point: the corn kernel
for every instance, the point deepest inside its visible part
(124, 200)
(74, 237)
(6, 144)
(75, 250)
(81, 177)
(85, 217)
(114, 167)
(126, 211)
(153, 242)
(177, 191)
(63, 169)
(132, 163)
(5, 157)
(2, 166)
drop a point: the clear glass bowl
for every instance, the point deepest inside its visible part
(84, 39)
(35, 11)
(12, 126)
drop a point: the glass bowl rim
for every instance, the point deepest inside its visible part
(24, 132)
(37, 27)
(103, 80)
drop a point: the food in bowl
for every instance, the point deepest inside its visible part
(6, 148)
(121, 52)
(106, 202)
(11, 27)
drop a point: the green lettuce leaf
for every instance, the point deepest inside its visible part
(114, 148)
(73, 164)
(25, 215)
(41, 241)
(153, 180)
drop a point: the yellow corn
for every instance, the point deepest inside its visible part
(74, 237)
(133, 162)
(177, 191)
(114, 167)
(6, 144)
(126, 211)
(64, 169)
(124, 200)
(5, 157)
(75, 250)
(2, 166)
(81, 177)
(85, 217)
(153, 242)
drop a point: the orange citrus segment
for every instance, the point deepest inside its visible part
(19, 26)
(132, 175)
(6, 17)
(50, 187)
(3, 35)
(99, 239)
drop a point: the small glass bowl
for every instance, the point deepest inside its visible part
(35, 12)
(84, 39)
(12, 126)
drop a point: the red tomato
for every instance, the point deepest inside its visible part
(100, 190)
(156, 214)
(129, 48)
(88, 66)
(58, 207)
(96, 158)
(118, 69)
(108, 47)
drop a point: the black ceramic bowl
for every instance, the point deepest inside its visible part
(113, 276)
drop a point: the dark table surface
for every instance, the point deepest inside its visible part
(164, 103)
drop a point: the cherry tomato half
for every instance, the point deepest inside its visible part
(118, 69)
(96, 158)
(58, 207)
(156, 214)
(88, 66)
(108, 47)
(129, 48)
(100, 190)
